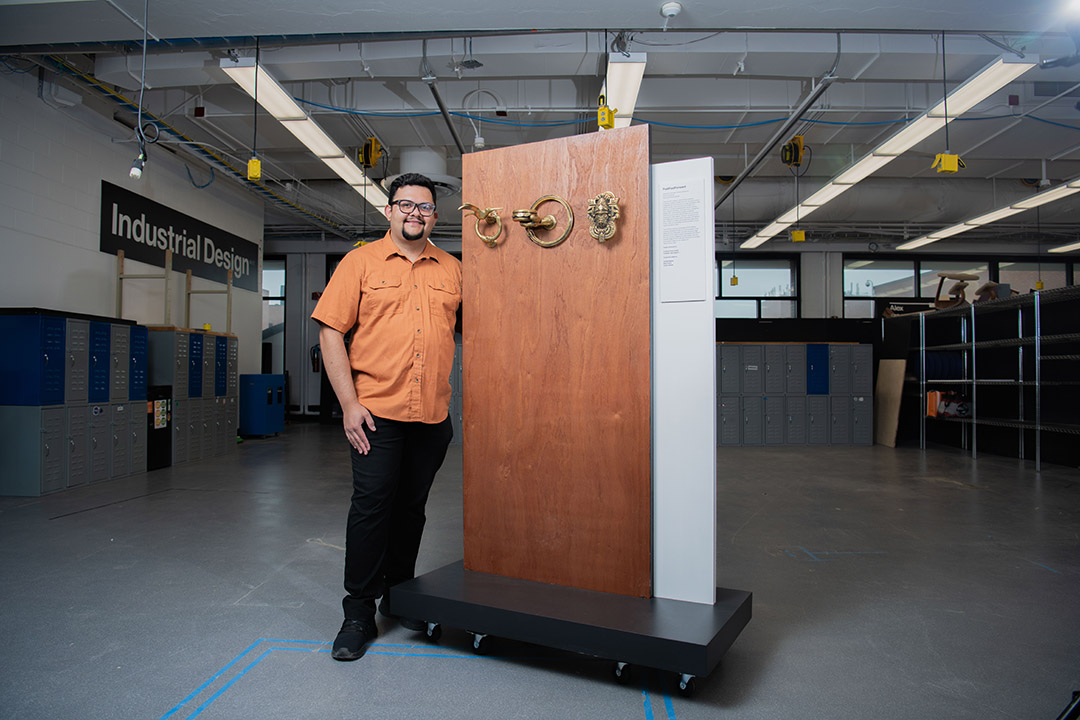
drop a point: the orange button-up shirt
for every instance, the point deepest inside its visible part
(402, 315)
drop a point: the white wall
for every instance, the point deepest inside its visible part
(52, 162)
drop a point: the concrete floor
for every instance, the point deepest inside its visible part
(887, 584)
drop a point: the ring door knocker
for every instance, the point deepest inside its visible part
(530, 220)
(489, 216)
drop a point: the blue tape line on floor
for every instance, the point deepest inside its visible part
(374, 650)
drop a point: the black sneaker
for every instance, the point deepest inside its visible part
(407, 623)
(352, 640)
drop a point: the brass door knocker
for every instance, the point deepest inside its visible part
(490, 216)
(603, 212)
(530, 220)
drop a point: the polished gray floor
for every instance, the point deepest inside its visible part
(887, 584)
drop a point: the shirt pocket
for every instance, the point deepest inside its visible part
(445, 299)
(382, 297)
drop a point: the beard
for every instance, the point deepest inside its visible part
(411, 234)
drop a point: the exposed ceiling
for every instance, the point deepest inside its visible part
(718, 82)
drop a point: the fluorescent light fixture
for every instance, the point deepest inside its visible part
(825, 194)
(796, 213)
(313, 136)
(372, 193)
(772, 230)
(346, 170)
(985, 83)
(271, 95)
(864, 168)
(276, 101)
(623, 82)
(916, 243)
(912, 133)
(1066, 248)
(967, 95)
(993, 216)
(1046, 196)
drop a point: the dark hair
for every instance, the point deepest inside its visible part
(410, 179)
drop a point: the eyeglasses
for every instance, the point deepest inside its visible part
(407, 206)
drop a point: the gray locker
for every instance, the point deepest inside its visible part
(195, 429)
(53, 449)
(729, 421)
(774, 416)
(753, 421)
(862, 369)
(232, 387)
(215, 408)
(78, 440)
(137, 435)
(817, 419)
(100, 441)
(181, 431)
(752, 369)
(795, 372)
(839, 369)
(78, 353)
(862, 420)
(209, 369)
(35, 449)
(226, 425)
(840, 420)
(795, 420)
(775, 370)
(169, 360)
(120, 441)
(730, 370)
(120, 362)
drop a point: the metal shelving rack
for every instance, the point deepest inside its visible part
(1031, 305)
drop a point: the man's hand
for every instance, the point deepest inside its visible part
(356, 418)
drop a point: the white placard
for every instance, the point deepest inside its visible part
(683, 382)
(683, 210)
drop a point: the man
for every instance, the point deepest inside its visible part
(400, 297)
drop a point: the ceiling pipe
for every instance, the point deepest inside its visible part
(823, 84)
(445, 114)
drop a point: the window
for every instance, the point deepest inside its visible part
(763, 288)
(273, 323)
(879, 278)
(1022, 276)
(929, 280)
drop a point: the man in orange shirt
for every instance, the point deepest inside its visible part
(400, 298)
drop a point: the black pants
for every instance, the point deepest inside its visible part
(386, 517)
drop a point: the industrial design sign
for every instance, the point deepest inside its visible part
(144, 230)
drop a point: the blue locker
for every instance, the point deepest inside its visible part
(32, 364)
(195, 345)
(817, 369)
(221, 365)
(100, 359)
(138, 361)
(262, 404)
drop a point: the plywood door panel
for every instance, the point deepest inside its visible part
(557, 370)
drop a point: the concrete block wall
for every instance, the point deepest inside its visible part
(52, 162)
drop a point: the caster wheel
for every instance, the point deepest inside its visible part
(621, 671)
(687, 685)
(480, 644)
(434, 631)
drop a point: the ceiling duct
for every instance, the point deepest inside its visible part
(426, 161)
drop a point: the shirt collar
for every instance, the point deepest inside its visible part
(389, 249)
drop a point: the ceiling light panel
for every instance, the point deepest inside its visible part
(347, 170)
(313, 136)
(273, 98)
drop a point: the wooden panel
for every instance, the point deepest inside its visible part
(557, 370)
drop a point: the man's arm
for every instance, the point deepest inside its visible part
(339, 372)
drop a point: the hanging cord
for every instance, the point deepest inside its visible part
(945, 91)
(142, 83)
(255, 104)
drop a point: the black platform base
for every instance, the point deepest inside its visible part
(682, 637)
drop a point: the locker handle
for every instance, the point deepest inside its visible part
(46, 358)
(46, 449)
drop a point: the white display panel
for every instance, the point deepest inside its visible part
(683, 382)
